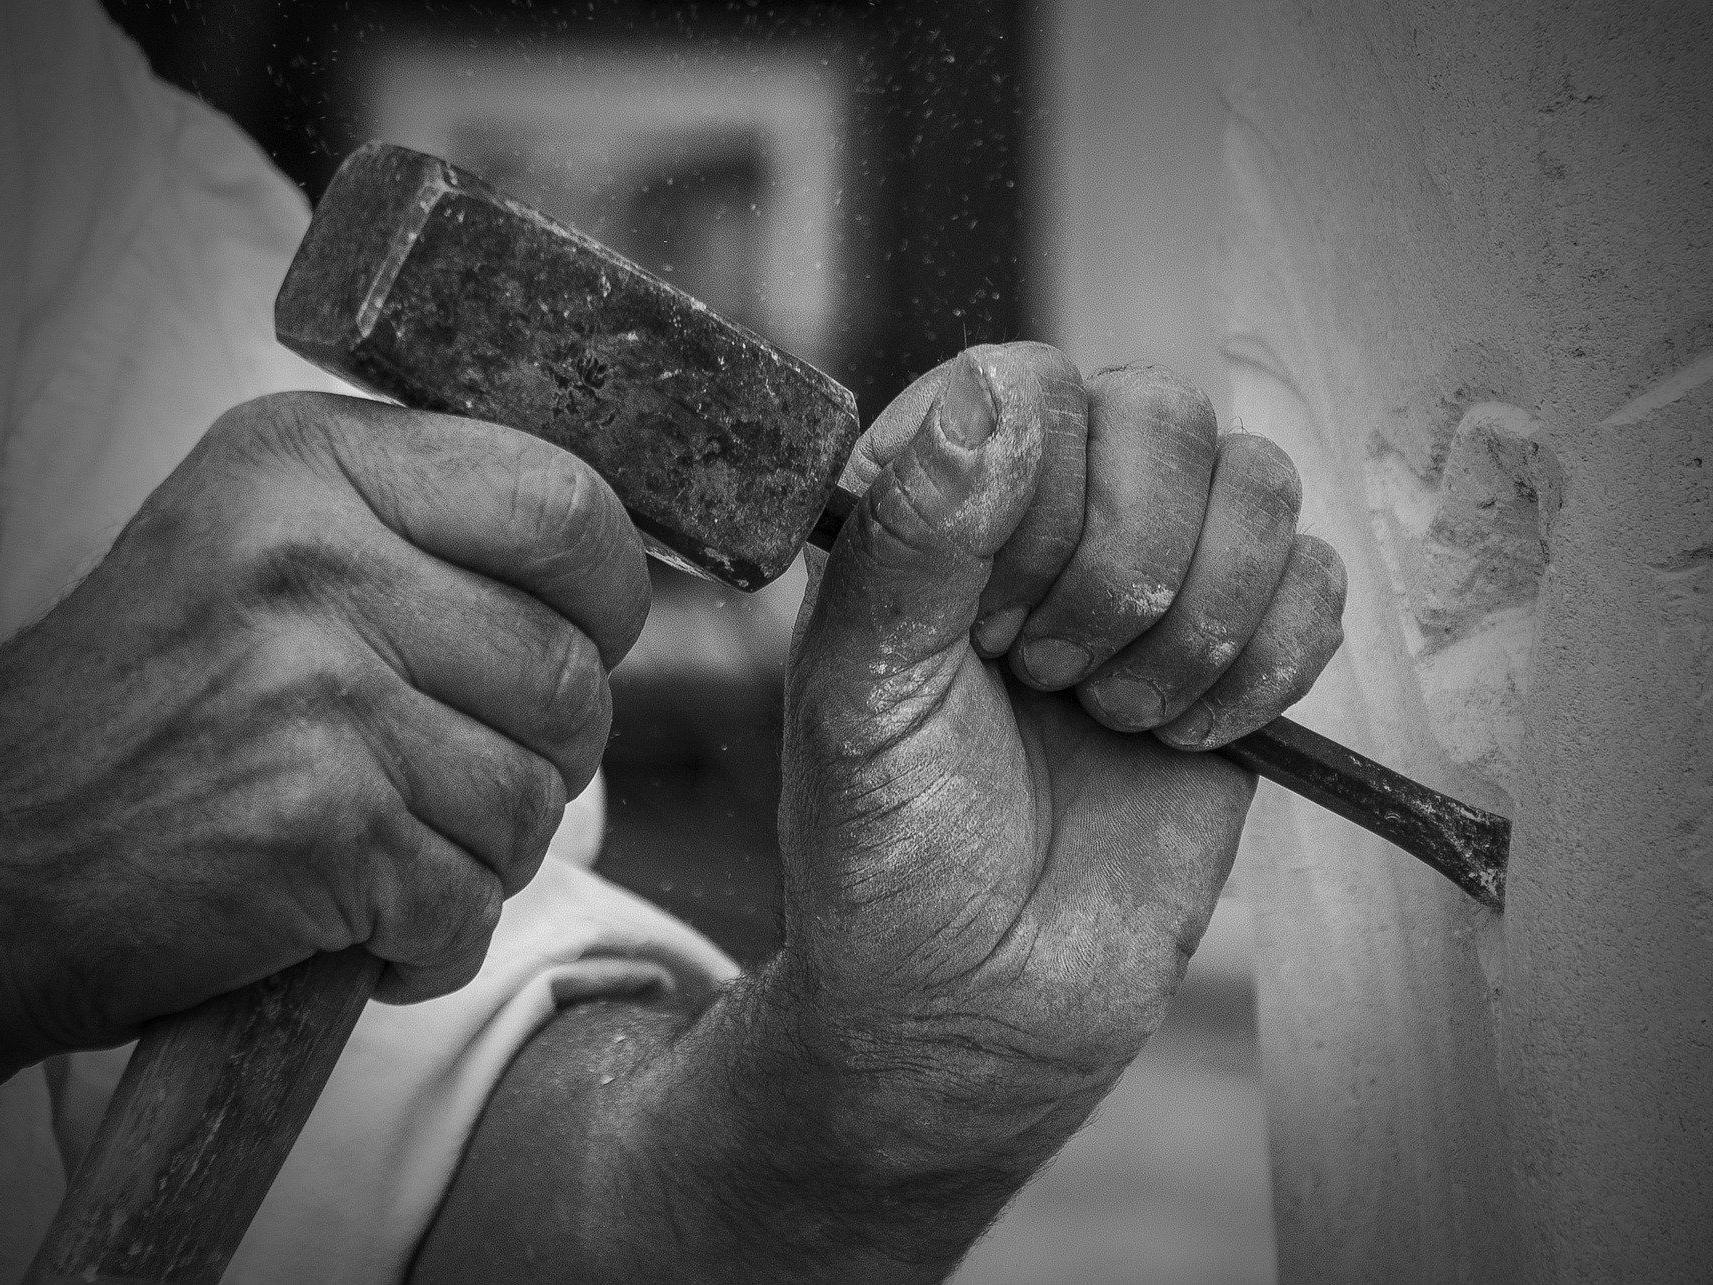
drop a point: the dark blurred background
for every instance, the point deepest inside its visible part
(872, 186)
(931, 103)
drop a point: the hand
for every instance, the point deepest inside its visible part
(333, 685)
(992, 887)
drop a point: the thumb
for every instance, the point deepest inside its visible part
(901, 587)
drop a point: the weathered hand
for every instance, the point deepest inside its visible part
(990, 891)
(331, 686)
(993, 887)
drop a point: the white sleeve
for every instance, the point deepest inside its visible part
(359, 1190)
(142, 240)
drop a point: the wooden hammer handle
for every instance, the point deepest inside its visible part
(201, 1122)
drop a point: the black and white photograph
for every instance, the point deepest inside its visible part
(1049, 642)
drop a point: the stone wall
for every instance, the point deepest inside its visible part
(1467, 257)
(1470, 266)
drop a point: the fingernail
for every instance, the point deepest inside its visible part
(995, 633)
(1190, 731)
(1053, 662)
(1134, 703)
(965, 409)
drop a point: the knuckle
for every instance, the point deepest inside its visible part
(548, 496)
(1265, 470)
(534, 799)
(575, 522)
(1331, 639)
(1160, 395)
(468, 919)
(578, 755)
(1117, 586)
(258, 420)
(1293, 682)
(372, 823)
(633, 593)
(1211, 649)
(355, 804)
(1027, 349)
(442, 904)
(485, 909)
(1325, 569)
(900, 522)
(321, 769)
(574, 693)
(297, 422)
(309, 677)
(1143, 599)
(302, 567)
(1296, 671)
(1046, 362)
(339, 817)
(541, 820)
(904, 512)
(304, 794)
(344, 683)
(562, 503)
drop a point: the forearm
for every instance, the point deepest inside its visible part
(630, 1143)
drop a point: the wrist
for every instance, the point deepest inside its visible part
(820, 1152)
(766, 1138)
(891, 1100)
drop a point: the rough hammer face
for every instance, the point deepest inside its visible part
(421, 283)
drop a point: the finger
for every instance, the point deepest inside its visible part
(355, 762)
(894, 429)
(1043, 542)
(1245, 543)
(1292, 645)
(882, 442)
(902, 584)
(487, 498)
(481, 791)
(487, 650)
(1151, 441)
(433, 910)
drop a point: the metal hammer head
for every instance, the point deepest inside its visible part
(421, 283)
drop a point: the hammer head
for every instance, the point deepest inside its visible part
(419, 282)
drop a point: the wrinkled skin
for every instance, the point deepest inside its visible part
(333, 685)
(992, 880)
(1016, 875)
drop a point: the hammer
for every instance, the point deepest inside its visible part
(419, 282)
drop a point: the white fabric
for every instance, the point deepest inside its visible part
(142, 239)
